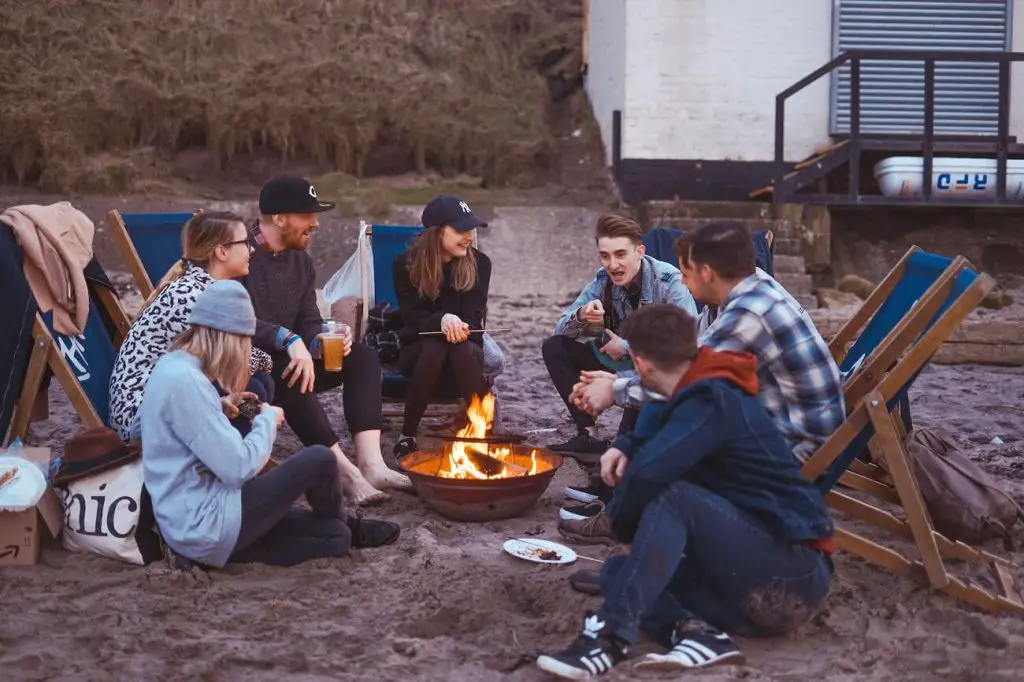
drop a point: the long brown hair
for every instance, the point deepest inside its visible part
(426, 265)
(224, 357)
(201, 235)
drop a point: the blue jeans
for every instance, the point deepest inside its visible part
(696, 556)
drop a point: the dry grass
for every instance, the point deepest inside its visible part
(449, 85)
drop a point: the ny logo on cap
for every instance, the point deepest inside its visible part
(312, 191)
(465, 207)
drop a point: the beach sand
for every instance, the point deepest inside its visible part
(445, 602)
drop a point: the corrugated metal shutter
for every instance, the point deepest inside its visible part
(892, 92)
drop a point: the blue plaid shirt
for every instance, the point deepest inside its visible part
(800, 384)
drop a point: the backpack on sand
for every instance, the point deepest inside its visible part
(964, 502)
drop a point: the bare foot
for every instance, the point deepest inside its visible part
(383, 477)
(359, 491)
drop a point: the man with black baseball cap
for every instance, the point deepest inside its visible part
(281, 283)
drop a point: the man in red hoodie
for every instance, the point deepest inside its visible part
(727, 535)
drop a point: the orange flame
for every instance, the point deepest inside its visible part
(459, 455)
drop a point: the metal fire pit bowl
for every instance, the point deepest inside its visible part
(478, 500)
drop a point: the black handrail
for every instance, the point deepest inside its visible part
(929, 57)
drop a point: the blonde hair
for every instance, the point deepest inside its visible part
(426, 266)
(202, 234)
(224, 357)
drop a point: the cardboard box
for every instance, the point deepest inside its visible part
(21, 533)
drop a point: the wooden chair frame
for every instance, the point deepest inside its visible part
(877, 384)
(45, 354)
(119, 232)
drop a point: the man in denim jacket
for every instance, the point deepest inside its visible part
(627, 280)
(727, 536)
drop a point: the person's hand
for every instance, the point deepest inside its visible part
(587, 377)
(613, 466)
(230, 403)
(455, 330)
(300, 368)
(278, 413)
(346, 335)
(594, 397)
(615, 348)
(592, 312)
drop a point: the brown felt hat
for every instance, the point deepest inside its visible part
(92, 452)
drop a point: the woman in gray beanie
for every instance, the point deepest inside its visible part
(211, 501)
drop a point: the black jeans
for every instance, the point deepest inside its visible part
(430, 361)
(277, 533)
(565, 358)
(361, 377)
(696, 556)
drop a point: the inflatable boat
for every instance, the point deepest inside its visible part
(900, 176)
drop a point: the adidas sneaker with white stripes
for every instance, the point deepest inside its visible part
(695, 650)
(595, 652)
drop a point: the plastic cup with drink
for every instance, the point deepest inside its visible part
(332, 343)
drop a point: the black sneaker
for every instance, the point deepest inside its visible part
(589, 493)
(579, 512)
(587, 582)
(368, 533)
(582, 447)
(697, 645)
(595, 652)
(405, 446)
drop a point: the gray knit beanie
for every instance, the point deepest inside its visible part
(225, 306)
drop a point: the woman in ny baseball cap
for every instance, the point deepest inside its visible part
(441, 283)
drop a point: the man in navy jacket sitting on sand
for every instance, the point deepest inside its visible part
(727, 535)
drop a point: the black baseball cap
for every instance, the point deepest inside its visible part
(450, 210)
(291, 194)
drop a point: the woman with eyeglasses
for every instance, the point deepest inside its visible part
(215, 246)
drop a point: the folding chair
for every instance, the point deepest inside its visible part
(149, 242)
(387, 243)
(880, 380)
(82, 364)
(658, 242)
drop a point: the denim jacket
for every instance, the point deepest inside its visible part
(661, 283)
(714, 435)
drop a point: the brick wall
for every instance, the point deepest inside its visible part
(701, 76)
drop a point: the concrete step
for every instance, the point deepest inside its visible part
(795, 283)
(786, 246)
(808, 302)
(778, 227)
(789, 263)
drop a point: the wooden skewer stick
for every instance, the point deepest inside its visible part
(8, 476)
(473, 331)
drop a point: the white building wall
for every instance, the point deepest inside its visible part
(606, 72)
(1017, 71)
(702, 76)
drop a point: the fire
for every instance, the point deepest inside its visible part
(472, 460)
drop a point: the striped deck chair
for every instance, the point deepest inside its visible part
(877, 383)
(149, 242)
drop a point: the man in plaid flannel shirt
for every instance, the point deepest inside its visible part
(800, 383)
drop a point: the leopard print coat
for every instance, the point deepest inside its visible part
(150, 337)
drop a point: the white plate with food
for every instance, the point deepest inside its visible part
(22, 483)
(540, 551)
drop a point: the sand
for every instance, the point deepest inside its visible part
(445, 602)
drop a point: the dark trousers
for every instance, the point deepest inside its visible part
(430, 362)
(696, 556)
(276, 532)
(361, 377)
(565, 358)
